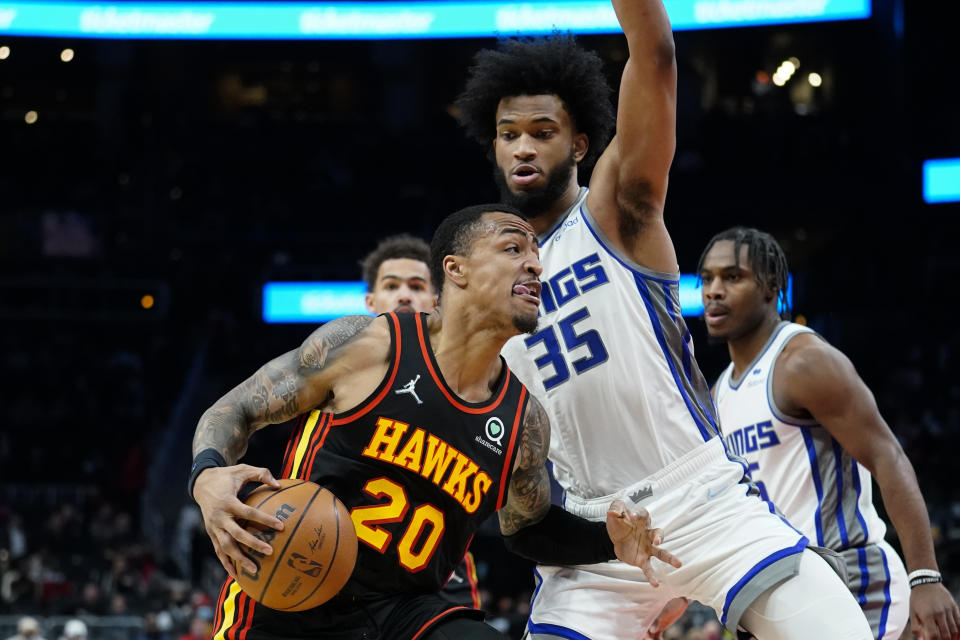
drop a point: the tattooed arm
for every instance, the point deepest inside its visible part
(285, 387)
(545, 533)
(528, 496)
(281, 389)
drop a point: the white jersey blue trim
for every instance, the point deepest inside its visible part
(622, 357)
(797, 463)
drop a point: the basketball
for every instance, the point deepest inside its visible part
(312, 557)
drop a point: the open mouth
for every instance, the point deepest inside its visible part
(529, 291)
(525, 174)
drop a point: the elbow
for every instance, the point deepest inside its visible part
(658, 52)
(665, 53)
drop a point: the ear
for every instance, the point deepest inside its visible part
(770, 292)
(454, 269)
(368, 300)
(581, 143)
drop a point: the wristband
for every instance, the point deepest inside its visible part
(923, 573)
(916, 582)
(204, 460)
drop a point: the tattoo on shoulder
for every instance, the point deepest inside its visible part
(535, 441)
(317, 349)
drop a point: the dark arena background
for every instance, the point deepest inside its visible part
(150, 188)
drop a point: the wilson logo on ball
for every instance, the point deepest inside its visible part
(313, 556)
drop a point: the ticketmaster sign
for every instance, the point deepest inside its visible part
(375, 20)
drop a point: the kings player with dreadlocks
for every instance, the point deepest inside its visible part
(611, 360)
(795, 408)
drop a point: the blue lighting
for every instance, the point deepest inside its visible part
(691, 301)
(312, 301)
(941, 180)
(385, 20)
(322, 301)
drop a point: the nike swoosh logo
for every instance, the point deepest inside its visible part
(713, 494)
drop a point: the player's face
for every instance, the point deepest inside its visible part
(403, 285)
(734, 302)
(536, 150)
(504, 271)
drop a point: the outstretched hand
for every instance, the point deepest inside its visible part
(671, 612)
(634, 541)
(216, 491)
(933, 613)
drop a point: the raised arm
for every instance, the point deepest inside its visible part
(542, 532)
(818, 378)
(629, 183)
(279, 390)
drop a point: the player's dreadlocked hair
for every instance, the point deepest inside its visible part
(536, 66)
(391, 248)
(767, 259)
(456, 234)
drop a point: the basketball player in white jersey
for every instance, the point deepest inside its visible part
(808, 426)
(612, 362)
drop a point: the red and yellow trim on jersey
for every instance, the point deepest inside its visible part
(234, 613)
(472, 580)
(292, 444)
(362, 410)
(301, 448)
(508, 454)
(427, 357)
(308, 438)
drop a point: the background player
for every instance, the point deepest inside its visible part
(350, 370)
(795, 408)
(397, 273)
(612, 362)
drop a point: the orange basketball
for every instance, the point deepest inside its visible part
(312, 557)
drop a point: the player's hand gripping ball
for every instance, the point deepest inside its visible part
(312, 557)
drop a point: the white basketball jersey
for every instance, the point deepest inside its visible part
(796, 463)
(612, 362)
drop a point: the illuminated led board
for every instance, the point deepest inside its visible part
(385, 20)
(322, 301)
(312, 301)
(941, 180)
(691, 302)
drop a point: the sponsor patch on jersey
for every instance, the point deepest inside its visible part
(569, 222)
(494, 431)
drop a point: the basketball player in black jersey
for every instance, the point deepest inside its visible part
(397, 274)
(418, 415)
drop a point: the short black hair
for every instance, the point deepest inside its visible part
(456, 234)
(402, 245)
(766, 256)
(548, 65)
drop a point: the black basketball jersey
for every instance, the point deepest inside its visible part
(418, 468)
